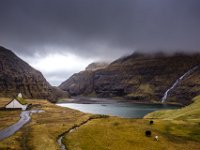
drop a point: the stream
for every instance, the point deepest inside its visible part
(24, 118)
(73, 128)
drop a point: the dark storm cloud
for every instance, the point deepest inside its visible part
(99, 27)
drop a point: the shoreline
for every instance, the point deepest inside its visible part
(94, 100)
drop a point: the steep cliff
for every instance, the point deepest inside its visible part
(16, 76)
(82, 83)
(79, 83)
(146, 77)
(143, 77)
(187, 89)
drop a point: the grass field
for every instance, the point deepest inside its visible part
(189, 113)
(129, 134)
(7, 118)
(42, 132)
(177, 130)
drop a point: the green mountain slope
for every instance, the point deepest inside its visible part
(190, 112)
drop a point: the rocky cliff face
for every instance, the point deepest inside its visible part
(146, 77)
(187, 89)
(142, 77)
(81, 83)
(16, 76)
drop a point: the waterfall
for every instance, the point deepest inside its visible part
(177, 82)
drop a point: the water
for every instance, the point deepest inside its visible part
(25, 118)
(60, 143)
(177, 82)
(126, 110)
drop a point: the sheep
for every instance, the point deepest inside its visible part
(156, 138)
(151, 122)
(148, 133)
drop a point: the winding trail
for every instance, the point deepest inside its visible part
(24, 118)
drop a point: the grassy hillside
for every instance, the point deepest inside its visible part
(191, 112)
(177, 130)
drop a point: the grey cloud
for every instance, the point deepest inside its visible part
(99, 27)
(57, 78)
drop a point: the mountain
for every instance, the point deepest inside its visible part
(96, 66)
(79, 83)
(141, 77)
(82, 82)
(16, 76)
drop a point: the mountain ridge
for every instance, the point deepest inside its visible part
(17, 76)
(141, 77)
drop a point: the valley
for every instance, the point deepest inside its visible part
(176, 132)
(118, 101)
(100, 75)
(140, 78)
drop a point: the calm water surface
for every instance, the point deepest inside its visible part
(125, 110)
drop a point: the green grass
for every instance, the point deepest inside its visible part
(21, 100)
(126, 134)
(7, 118)
(177, 130)
(43, 130)
(190, 112)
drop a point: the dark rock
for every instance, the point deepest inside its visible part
(96, 66)
(79, 83)
(140, 77)
(16, 76)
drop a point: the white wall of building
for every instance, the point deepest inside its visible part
(16, 104)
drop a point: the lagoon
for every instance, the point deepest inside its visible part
(125, 110)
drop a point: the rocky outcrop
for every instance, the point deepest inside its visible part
(187, 89)
(16, 76)
(96, 66)
(144, 77)
(81, 83)
(141, 77)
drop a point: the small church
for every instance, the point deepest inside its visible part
(17, 103)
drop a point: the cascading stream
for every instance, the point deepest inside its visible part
(177, 82)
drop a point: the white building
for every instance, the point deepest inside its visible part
(20, 95)
(16, 104)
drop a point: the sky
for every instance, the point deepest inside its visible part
(61, 37)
